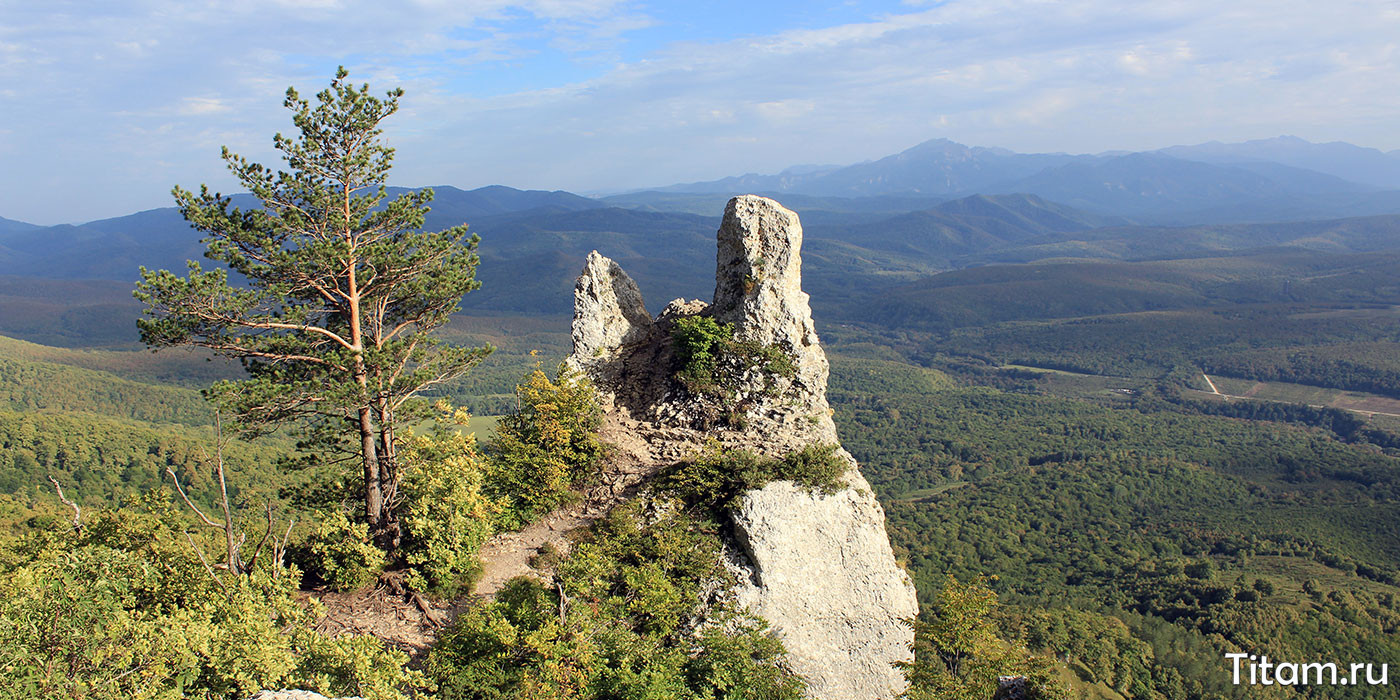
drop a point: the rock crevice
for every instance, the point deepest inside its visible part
(818, 568)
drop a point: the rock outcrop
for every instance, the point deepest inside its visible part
(609, 314)
(818, 568)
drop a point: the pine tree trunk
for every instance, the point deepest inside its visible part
(374, 494)
(388, 476)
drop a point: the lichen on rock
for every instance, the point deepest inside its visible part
(818, 567)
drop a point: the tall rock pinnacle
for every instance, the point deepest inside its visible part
(758, 288)
(818, 568)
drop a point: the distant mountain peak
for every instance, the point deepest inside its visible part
(935, 147)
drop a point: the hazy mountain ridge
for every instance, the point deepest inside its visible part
(1344, 160)
(865, 234)
(938, 167)
(963, 226)
(1349, 235)
(115, 248)
(1266, 180)
(12, 226)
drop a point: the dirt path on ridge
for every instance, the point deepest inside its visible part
(629, 463)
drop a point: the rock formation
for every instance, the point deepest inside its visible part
(818, 568)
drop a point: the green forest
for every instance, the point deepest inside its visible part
(1138, 540)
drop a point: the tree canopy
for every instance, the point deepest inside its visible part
(337, 290)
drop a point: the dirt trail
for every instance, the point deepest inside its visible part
(389, 612)
(1211, 384)
(629, 463)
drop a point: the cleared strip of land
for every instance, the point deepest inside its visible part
(1360, 402)
(1074, 383)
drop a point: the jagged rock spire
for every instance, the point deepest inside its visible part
(819, 568)
(758, 288)
(608, 313)
(758, 274)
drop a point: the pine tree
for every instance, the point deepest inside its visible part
(337, 298)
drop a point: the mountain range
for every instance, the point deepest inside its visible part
(1283, 178)
(869, 227)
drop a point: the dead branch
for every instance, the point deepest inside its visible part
(233, 538)
(188, 502)
(435, 618)
(233, 564)
(77, 512)
(253, 560)
(200, 553)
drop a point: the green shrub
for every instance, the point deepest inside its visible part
(545, 447)
(339, 552)
(124, 609)
(650, 574)
(621, 630)
(717, 478)
(958, 654)
(357, 665)
(711, 362)
(698, 342)
(446, 517)
(512, 647)
(738, 658)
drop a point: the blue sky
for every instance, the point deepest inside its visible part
(106, 105)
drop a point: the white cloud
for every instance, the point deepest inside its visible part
(180, 79)
(202, 105)
(1075, 76)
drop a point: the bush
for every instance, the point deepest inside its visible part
(446, 517)
(545, 447)
(698, 342)
(339, 552)
(124, 609)
(719, 477)
(356, 665)
(620, 632)
(738, 659)
(959, 656)
(650, 574)
(712, 363)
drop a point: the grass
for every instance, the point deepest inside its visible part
(1288, 573)
(1305, 394)
(483, 426)
(186, 367)
(1078, 385)
(1047, 370)
(1076, 676)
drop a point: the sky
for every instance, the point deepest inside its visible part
(106, 105)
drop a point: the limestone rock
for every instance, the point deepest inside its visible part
(758, 288)
(608, 313)
(758, 274)
(822, 573)
(818, 568)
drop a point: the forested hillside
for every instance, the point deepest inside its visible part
(1140, 541)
